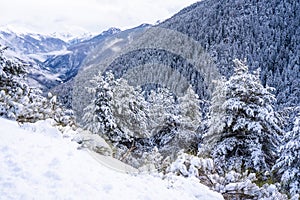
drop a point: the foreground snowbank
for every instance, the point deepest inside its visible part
(36, 162)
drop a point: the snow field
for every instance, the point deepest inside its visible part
(36, 162)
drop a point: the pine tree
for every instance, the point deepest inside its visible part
(13, 89)
(189, 106)
(98, 115)
(288, 164)
(244, 128)
(118, 110)
(129, 109)
(162, 109)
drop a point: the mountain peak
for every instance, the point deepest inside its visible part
(72, 38)
(111, 31)
(18, 30)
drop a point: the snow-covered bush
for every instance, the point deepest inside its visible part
(13, 90)
(232, 185)
(153, 161)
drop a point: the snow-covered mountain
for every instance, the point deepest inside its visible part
(31, 44)
(68, 64)
(33, 49)
(83, 52)
(264, 33)
(71, 38)
(38, 46)
(57, 57)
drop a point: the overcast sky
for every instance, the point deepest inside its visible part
(85, 15)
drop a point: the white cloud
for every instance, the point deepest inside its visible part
(90, 15)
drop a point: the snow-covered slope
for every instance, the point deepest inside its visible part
(36, 162)
(30, 43)
(265, 33)
(72, 38)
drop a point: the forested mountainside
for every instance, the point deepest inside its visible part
(239, 126)
(188, 97)
(265, 33)
(89, 54)
(207, 36)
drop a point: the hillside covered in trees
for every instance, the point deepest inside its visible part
(210, 94)
(265, 33)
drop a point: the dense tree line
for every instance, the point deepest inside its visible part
(265, 33)
(243, 138)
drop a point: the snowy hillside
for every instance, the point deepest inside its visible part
(265, 33)
(35, 48)
(207, 100)
(37, 162)
(30, 43)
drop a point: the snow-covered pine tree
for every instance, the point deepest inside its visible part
(130, 110)
(244, 128)
(189, 106)
(118, 110)
(172, 122)
(98, 117)
(288, 164)
(162, 109)
(13, 89)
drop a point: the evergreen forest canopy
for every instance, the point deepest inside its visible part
(265, 33)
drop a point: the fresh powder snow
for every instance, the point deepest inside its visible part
(38, 162)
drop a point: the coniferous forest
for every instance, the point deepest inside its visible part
(211, 93)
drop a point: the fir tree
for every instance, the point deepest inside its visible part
(13, 89)
(130, 110)
(189, 105)
(98, 117)
(162, 109)
(244, 128)
(118, 110)
(288, 164)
